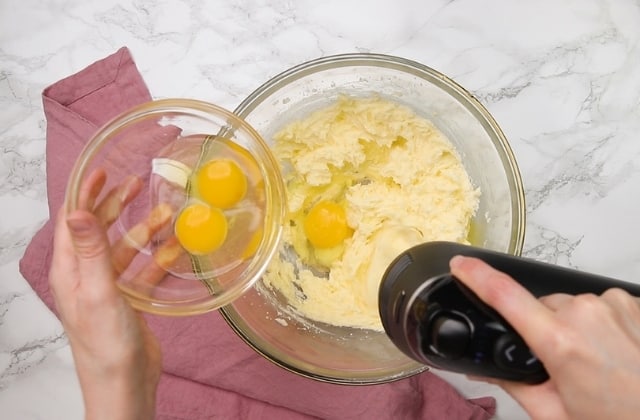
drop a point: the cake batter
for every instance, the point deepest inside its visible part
(396, 181)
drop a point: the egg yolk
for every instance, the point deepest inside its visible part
(221, 183)
(201, 229)
(326, 225)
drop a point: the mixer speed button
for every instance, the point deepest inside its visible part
(512, 353)
(450, 335)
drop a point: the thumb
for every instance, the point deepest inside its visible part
(93, 252)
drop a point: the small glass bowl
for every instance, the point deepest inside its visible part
(153, 149)
(262, 317)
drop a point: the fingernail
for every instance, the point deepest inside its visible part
(130, 188)
(456, 261)
(160, 215)
(79, 225)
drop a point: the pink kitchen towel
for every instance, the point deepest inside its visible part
(209, 372)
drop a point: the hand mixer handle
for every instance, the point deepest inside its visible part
(539, 278)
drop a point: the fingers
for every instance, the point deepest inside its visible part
(519, 307)
(168, 253)
(92, 251)
(114, 201)
(108, 210)
(90, 189)
(125, 250)
(619, 298)
(556, 300)
(97, 264)
(626, 309)
(90, 241)
(154, 272)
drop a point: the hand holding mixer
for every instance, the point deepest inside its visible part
(434, 319)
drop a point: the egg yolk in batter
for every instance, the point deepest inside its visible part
(201, 229)
(221, 183)
(326, 225)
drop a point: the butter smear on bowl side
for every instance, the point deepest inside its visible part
(366, 179)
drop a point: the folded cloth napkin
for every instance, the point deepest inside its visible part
(209, 372)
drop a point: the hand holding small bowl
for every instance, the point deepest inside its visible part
(156, 150)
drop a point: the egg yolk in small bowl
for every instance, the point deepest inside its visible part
(223, 217)
(221, 183)
(201, 229)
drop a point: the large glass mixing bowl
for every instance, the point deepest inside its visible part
(359, 356)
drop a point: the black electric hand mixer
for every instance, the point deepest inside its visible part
(434, 319)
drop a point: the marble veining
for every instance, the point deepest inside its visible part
(561, 78)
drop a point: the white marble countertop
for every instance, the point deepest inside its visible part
(562, 78)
